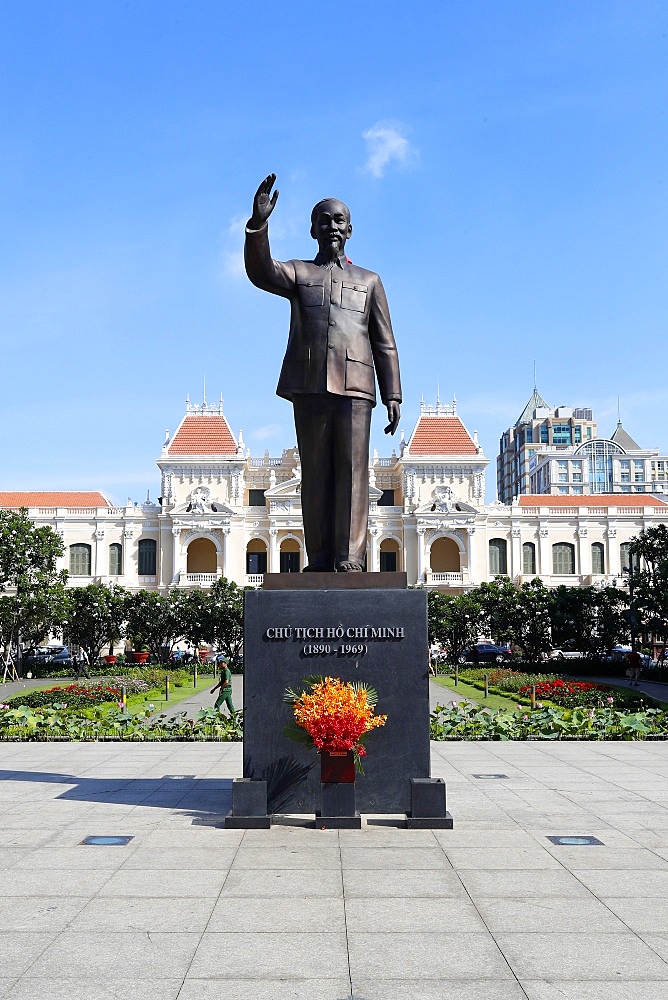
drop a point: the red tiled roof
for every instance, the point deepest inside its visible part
(205, 434)
(60, 498)
(441, 436)
(592, 500)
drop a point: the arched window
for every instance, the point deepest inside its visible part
(598, 558)
(444, 556)
(498, 560)
(389, 555)
(529, 558)
(256, 556)
(563, 559)
(625, 556)
(80, 560)
(148, 549)
(289, 557)
(202, 556)
(115, 559)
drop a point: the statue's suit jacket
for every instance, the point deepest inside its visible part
(340, 325)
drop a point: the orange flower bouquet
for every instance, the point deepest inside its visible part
(333, 716)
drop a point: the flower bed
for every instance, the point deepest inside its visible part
(107, 723)
(570, 694)
(563, 691)
(79, 695)
(505, 679)
(467, 721)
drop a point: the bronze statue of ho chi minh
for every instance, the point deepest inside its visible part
(340, 333)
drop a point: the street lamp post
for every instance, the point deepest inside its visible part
(631, 609)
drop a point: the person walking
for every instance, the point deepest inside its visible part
(635, 666)
(225, 685)
(80, 664)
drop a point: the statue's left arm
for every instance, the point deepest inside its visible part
(385, 356)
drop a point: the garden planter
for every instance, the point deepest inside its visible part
(110, 659)
(337, 765)
(140, 657)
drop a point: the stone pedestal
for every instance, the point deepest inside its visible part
(249, 806)
(428, 809)
(337, 806)
(378, 636)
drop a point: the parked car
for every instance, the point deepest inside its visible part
(485, 652)
(619, 654)
(41, 656)
(564, 654)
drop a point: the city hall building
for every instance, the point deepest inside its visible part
(223, 512)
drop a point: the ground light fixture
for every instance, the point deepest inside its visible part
(577, 841)
(102, 841)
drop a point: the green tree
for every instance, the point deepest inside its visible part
(499, 602)
(608, 618)
(530, 620)
(518, 615)
(193, 615)
(588, 619)
(650, 580)
(28, 555)
(95, 617)
(454, 621)
(570, 613)
(35, 615)
(154, 621)
(227, 613)
(216, 617)
(28, 558)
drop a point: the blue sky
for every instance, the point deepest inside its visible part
(505, 164)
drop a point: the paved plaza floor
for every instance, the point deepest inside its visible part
(492, 910)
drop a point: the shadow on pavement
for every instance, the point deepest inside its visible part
(207, 800)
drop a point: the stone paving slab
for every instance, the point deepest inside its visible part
(491, 910)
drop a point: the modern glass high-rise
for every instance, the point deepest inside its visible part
(539, 426)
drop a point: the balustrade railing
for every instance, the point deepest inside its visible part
(435, 577)
(201, 578)
(254, 579)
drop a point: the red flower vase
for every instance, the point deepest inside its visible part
(337, 765)
(140, 657)
(110, 659)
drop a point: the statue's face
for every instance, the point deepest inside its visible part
(332, 227)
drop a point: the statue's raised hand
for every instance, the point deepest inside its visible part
(264, 203)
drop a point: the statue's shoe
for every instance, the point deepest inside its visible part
(349, 567)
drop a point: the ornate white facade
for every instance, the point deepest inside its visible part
(223, 512)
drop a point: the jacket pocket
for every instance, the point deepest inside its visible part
(359, 376)
(311, 293)
(353, 296)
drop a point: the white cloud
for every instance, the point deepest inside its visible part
(233, 251)
(285, 226)
(266, 433)
(387, 143)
